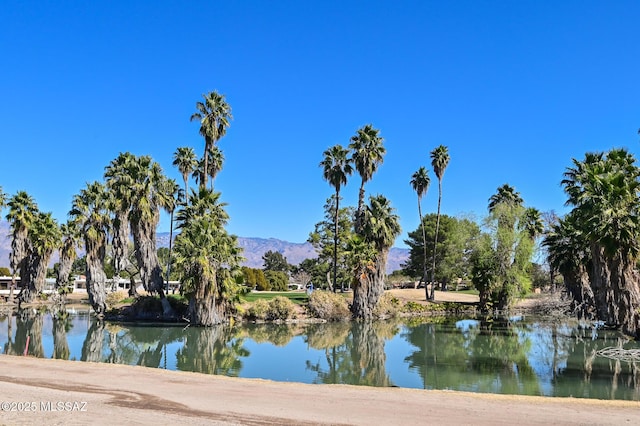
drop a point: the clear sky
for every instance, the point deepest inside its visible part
(514, 89)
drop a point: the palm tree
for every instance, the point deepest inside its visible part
(144, 189)
(44, 237)
(568, 253)
(70, 240)
(214, 115)
(22, 209)
(89, 209)
(176, 196)
(532, 222)
(336, 166)
(439, 162)
(420, 183)
(216, 161)
(186, 161)
(506, 194)
(3, 198)
(381, 227)
(207, 259)
(603, 189)
(367, 154)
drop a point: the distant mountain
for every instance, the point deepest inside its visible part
(253, 250)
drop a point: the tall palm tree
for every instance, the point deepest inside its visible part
(119, 203)
(336, 166)
(603, 190)
(568, 253)
(70, 240)
(176, 195)
(420, 183)
(207, 258)
(367, 154)
(22, 209)
(381, 227)
(214, 115)
(90, 210)
(145, 190)
(186, 161)
(44, 237)
(439, 162)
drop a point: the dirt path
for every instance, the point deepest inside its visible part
(105, 394)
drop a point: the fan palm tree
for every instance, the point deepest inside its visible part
(214, 115)
(207, 259)
(420, 183)
(336, 166)
(532, 222)
(439, 162)
(506, 194)
(22, 209)
(44, 237)
(70, 240)
(186, 161)
(216, 161)
(90, 210)
(568, 253)
(145, 190)
(381, 227)
(367, 155)
(603, 189)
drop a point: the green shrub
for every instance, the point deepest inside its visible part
(258, 310)
(412, 307)
(328, 306)
(278, 308)
(281, 308)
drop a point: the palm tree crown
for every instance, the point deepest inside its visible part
(440, 160)
(367, 154)
(336, 166)
(214, 115)
(506, 194)
(420, 182)
(186, 161)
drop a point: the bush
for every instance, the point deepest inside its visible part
(412, 307)
(278, 308)
(281, 308)
(258, 310)
(328, 306)
(116, 297)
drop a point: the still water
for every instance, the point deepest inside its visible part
(512, 356)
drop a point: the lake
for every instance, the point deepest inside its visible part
(518, 355)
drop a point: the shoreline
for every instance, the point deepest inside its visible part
(112, 393)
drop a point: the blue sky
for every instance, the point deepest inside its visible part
(514, 89)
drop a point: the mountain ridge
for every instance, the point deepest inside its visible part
(253, 249)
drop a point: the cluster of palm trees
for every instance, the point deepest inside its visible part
(34, 237)
(376, 226)
(595, 247)
(420, 182)
(105, 215)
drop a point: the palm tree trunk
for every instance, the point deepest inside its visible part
(424, 257)
(335, 243)
(96, 278)
(435, 244)
(368, 287)
(205, 172)
(170, 247)
(360, 210)
(204, 308)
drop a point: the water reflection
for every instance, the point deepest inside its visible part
(511, 356)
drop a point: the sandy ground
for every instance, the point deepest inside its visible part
(100, 394)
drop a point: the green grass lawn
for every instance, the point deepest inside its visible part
(295, 296)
